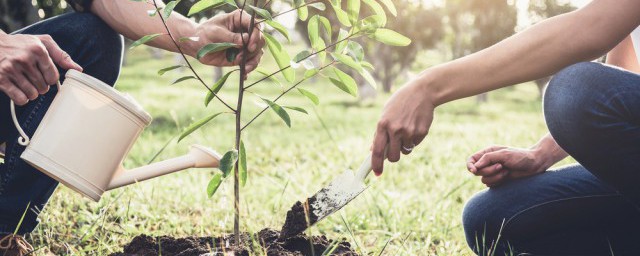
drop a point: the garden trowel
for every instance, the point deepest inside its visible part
(328, 200)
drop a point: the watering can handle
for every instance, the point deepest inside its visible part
(24, 138)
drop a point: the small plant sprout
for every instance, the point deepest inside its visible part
(334, 54)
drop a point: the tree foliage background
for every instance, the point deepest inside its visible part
(460, 27)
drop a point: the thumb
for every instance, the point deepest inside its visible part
(489, 159)
(59, 56)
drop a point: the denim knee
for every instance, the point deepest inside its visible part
(575, 102)
(481, 221)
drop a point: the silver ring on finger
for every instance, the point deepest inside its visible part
(408, 149)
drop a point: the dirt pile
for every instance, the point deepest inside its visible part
(265, 241)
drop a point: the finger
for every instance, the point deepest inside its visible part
(377, 155)
(58, 55)
(489, 170)
(495, 180)
(476, 156)
(36, 78)
(241, 20)
(407, 143)
(252, 64)
(48, 70)
(16, 95)
(25, 85)
(395, 143)
(489, 159)
(256, 38)
(471, 168)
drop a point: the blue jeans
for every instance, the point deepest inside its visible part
(98, 49)
(593, 112)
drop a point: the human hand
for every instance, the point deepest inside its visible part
(498, 164)
(232, 28)
(27, 65)
(404, 123)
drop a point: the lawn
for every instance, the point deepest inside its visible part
(414, 208)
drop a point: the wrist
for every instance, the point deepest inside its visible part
(431, 83)
(188, 30)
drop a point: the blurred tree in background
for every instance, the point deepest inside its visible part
(462, 26)
(478, 24)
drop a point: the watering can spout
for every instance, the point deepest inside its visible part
(198, 157)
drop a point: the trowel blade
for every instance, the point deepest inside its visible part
(328, 200)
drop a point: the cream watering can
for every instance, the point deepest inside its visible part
(86, 134)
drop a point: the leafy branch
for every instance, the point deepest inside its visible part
(299, 61)
(186, 60)
(283, 93)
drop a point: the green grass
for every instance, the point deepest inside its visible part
(413, 209)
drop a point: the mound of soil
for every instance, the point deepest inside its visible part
(265, 241)
(299, 218)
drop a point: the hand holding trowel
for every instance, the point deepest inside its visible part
(328, 200)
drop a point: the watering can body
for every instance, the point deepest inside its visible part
(87, 132)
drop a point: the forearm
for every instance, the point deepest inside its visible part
(547, 152)
(130, 19)
(624, 56)
(539, 51)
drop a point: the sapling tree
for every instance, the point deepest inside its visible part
(327, 57)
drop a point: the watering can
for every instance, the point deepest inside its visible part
(86, 134)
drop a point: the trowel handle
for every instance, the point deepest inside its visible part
(365, 166)
(364, 169)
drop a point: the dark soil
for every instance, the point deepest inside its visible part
(299, 218)
(265, 241)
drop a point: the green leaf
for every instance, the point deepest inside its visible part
(280, 28)
(342, 16)
(214, 47)
(261, 12)
(266, 74)
(310, 73)
(182, 79)
(227, 162)
(167, 69)
(301, 55)
(312, 30)
(214, 184)
(318, 46)
(327, 26)
(299, 109)
(152, 13)
(309, 95)
(196, 125)
(367, 65)
(242, 167)
(344, 59)
(144, 40)
(216, 88)
(355, 50)
(302, 11)
(205, 4)
(390, 37)
(344, 82)
(190, 38)
(370, 24)
(353, 10)
(369, 78)
(281, 56)
(318, 5)
(342, 34)
(279, 110)
(231, 54)
(378, 10)
(390, 6)
(168, 9)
